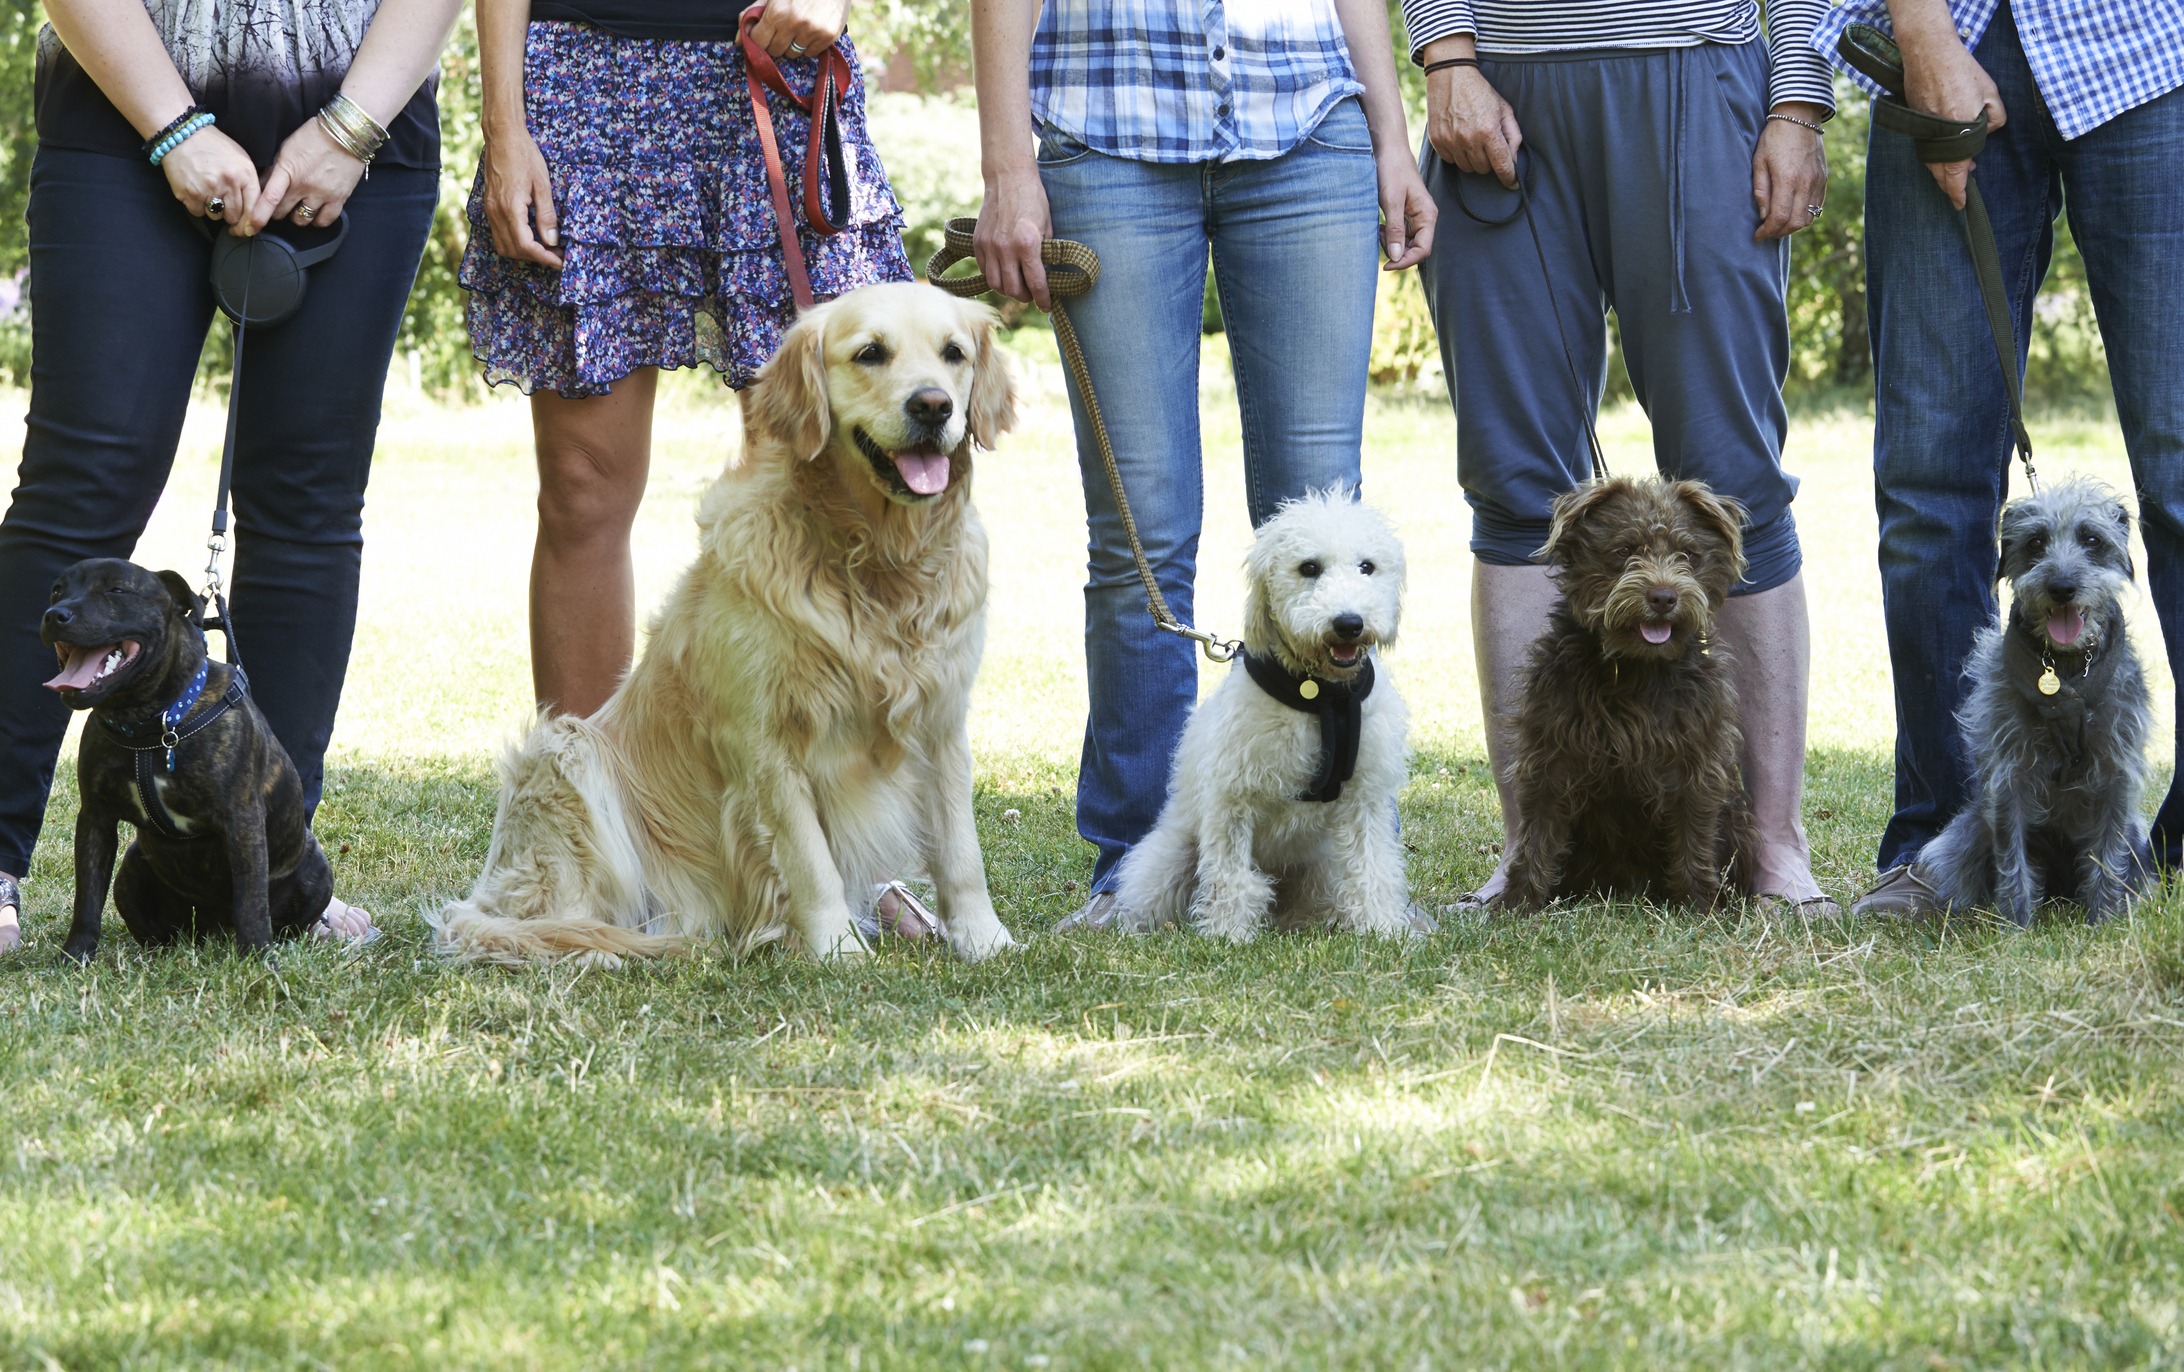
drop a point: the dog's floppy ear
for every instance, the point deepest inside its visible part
(187, 600)
(2123, 539)
(788, 401)
(1720, 513)
(1570, 509)
(992, 410)
(2011, 528)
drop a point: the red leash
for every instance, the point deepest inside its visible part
(826, 181)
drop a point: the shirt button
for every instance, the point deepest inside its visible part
(1221, 108)
(1219, 53)
(1965, 34)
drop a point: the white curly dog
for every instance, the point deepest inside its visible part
(1281, 804)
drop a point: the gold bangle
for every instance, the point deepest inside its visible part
(353, 128)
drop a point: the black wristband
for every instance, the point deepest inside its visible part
(179, 120)
(1447, 62)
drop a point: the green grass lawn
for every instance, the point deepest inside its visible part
(1615, 1136)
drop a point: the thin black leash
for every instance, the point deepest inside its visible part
(217, 543)
(1547, 279)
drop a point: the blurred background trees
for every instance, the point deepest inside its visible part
(926, 124)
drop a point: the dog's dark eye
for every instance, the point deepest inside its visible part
(2092, 540)
(1308, 570)
(871, 354)
(2036, 545)
(1367, 568)
(951, 353)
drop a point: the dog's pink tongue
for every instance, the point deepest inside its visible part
(2065, 625)
(925, 473)
(82, 668)
(1655, 633)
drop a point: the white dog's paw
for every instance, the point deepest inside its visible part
(1234, 920)
(977, 946)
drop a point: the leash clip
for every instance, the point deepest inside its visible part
(1216, 649)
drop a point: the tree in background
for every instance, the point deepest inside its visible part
(929, 136)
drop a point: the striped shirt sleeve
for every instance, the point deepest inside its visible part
(1532, 26)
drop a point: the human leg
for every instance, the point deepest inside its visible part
(1941, 445)
(1706, 335)
(593, 455)
(1509, 609)
(2126, 209)
(1140, 333)
(119, 307)
(1295, 252)
(308, 422)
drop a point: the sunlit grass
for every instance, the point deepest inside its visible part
(1612, 1137)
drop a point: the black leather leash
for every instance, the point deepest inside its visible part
(1935, 139)
(1547, 278)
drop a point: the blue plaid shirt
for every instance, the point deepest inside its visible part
(1189, 80)
(2092, 59)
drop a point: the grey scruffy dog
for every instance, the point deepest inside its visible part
(2055, 723)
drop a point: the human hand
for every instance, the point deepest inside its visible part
(1789, 172)
(798, 28)
(1941, 77)
(1407, 211)
(517, 187)
(310, 181)
(208, 166)
(1469, 124)
(1012, 223)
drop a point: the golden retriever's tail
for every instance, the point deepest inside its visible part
(468, 934)
(564, 877)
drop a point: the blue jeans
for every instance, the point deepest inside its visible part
(1295, 249)
(119, 308)
(1941, 447)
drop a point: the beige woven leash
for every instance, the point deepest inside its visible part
(1073, 269)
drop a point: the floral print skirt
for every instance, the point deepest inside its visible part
(670, 253)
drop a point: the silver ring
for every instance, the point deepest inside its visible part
(216, 208)
(1814, 210)
(305, 214)
(796, 49)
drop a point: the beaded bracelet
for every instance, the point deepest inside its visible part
(173, 127)
(1801, 123)
(180, 136)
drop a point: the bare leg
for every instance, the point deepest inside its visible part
(593, 456)
(1509, 609)
(1770, 641)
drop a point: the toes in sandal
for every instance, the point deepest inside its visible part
(911, 917)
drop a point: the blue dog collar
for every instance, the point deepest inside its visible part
(174, 714)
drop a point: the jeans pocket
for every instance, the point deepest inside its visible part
(1343, 129)
(1058, 149)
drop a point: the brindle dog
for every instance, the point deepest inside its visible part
(222, 841)
(1626, 774)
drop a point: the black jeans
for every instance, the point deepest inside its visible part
(119, 311)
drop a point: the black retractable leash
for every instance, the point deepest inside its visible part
(257, 280)
(1934, 139)
(1527, 159)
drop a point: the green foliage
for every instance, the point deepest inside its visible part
(929, 144)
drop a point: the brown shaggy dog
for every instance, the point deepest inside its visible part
(1625, 773)
(795, 727)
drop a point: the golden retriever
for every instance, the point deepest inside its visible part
(795, 729)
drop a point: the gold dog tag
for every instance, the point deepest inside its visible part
(2050, 683)
(1309, 689)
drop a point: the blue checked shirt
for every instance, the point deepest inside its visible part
(2092, 59)
(1189, 80)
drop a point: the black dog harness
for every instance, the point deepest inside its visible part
(171, 735)
(1339, 707)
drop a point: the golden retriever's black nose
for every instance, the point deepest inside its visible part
(1661, 602)
(931, 405)
(1349, 626)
